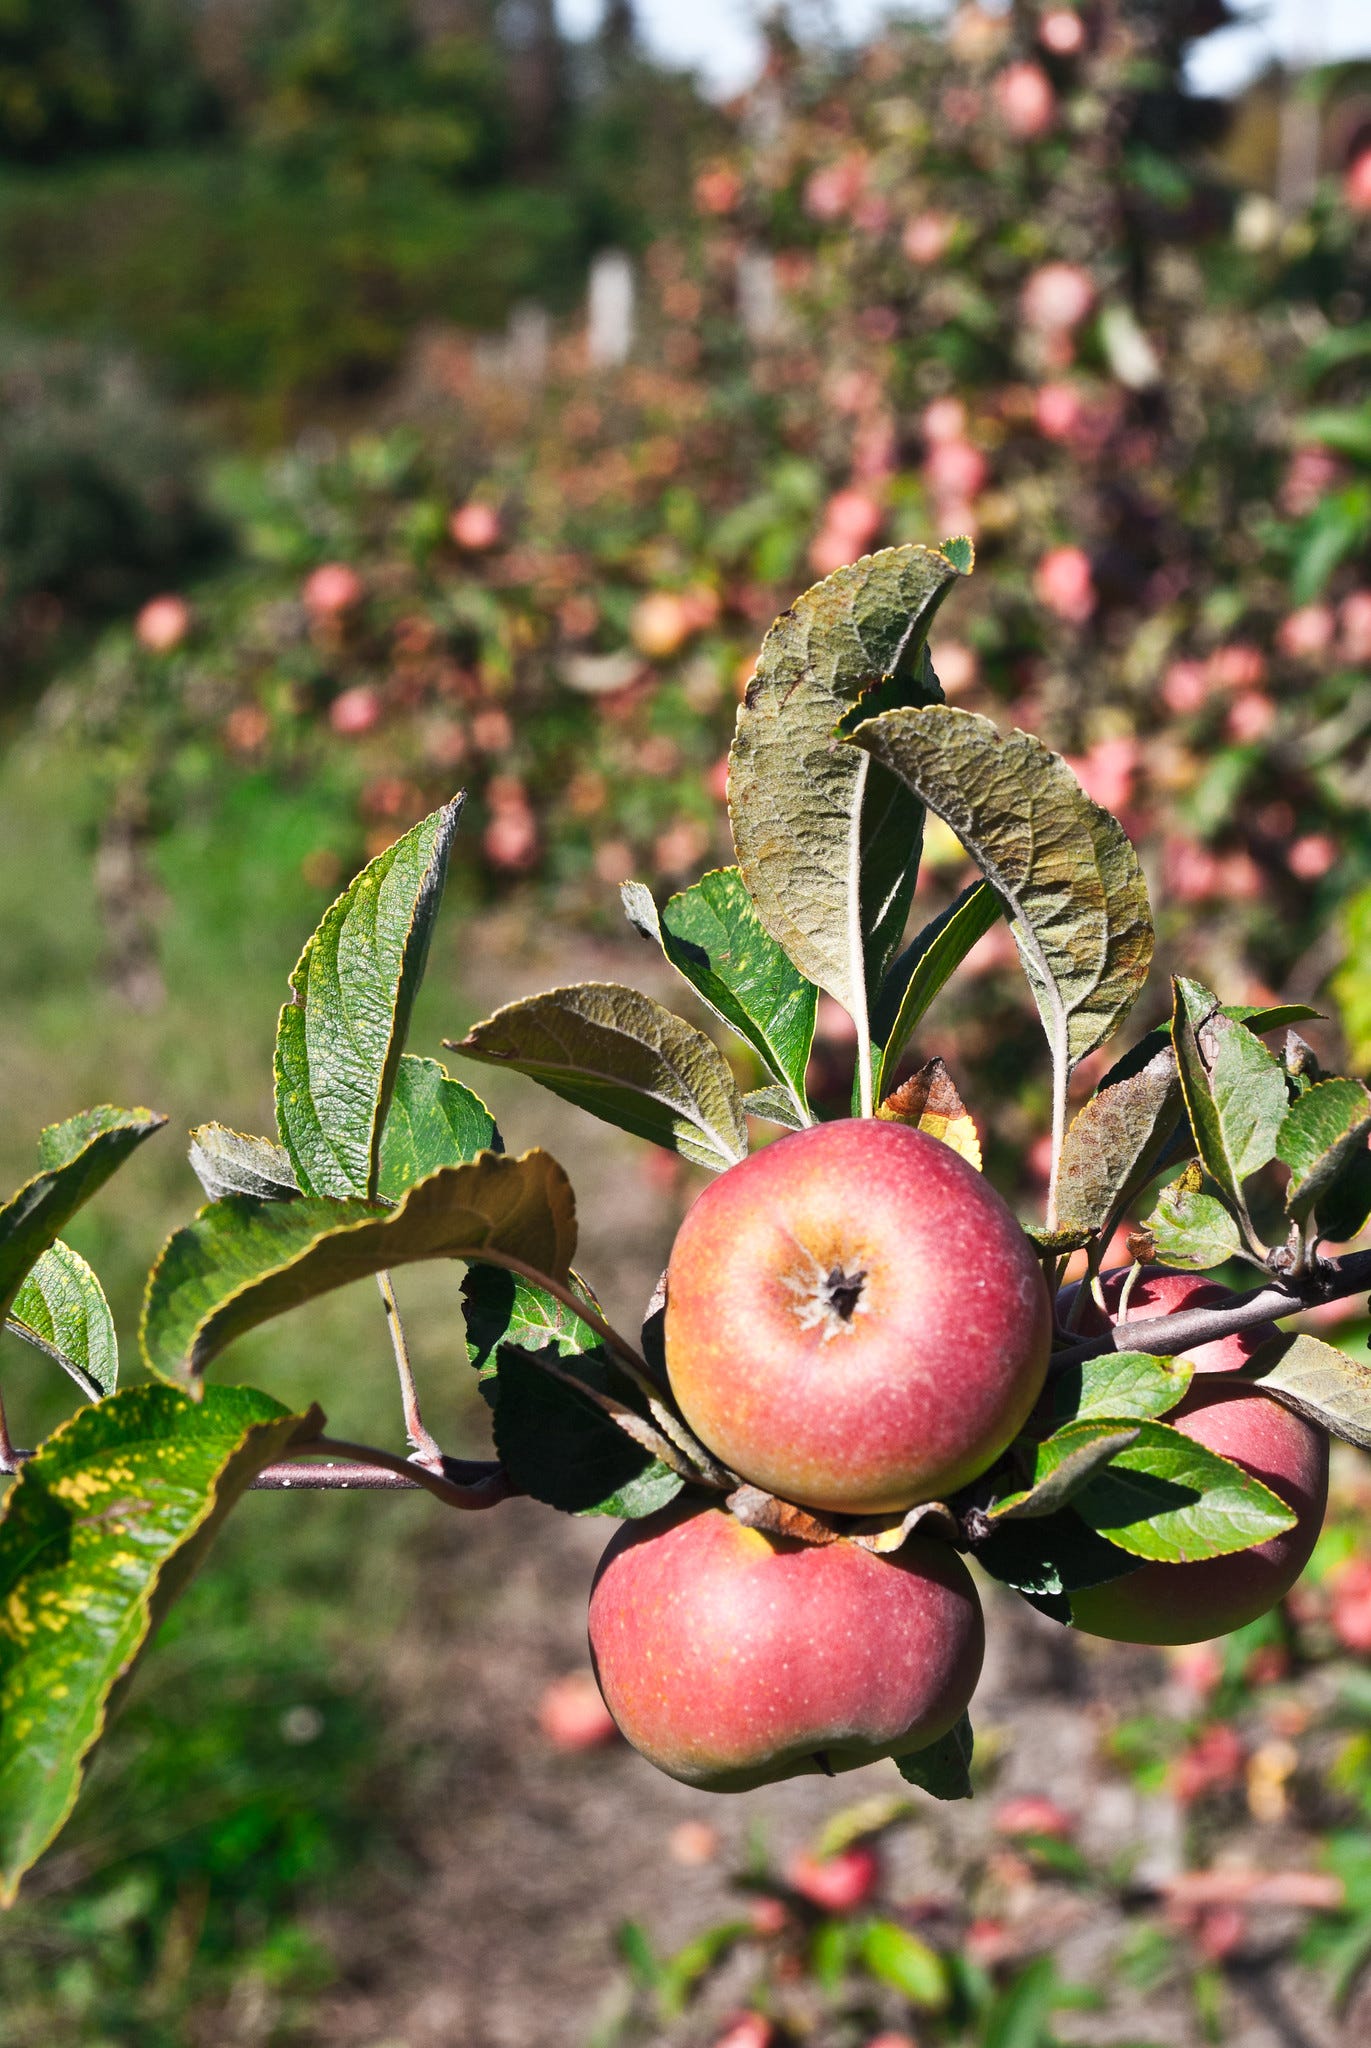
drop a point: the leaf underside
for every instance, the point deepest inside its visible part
(626, 1059)
(242, 1262)
(1060, 862)
(827, 846)
(61, 1310)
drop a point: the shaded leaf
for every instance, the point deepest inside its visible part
(924, 968)
(433, 1121)
(1234, 1089)
(929, 1101)
(501, 1307)
(1170, 1499)
(560, 1448)
(1048, 1558)
(1191, 1229)
(943, 1769)
(1320, 1136)
(102, 1529)
(1061, 1466)
(625, 1058)
(829, 848)
(1318, 1381)
(1345, 1205)
(1117, 1142)
(712, 935)
(242, 1262)
(229, 1162)
(61, 1310)
(1119, 1383)
(339, 1039)
(76, 1158)
(1061, 863)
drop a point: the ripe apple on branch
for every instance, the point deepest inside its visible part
(860, 1369)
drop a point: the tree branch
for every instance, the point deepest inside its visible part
(1170, 1336)
(463, 1483)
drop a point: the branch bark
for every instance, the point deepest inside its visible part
(1170, 1336)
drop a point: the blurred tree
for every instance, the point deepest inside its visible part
(89, 75)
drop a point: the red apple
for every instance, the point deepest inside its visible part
(162, 624)
(837, 1884)
(1192, 1603)
(572, 1714)
(331, 590)
(854, 1319)
(475, 526)
(730, 1658)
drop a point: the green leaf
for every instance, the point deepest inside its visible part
(1261, 1017)
(714, 938)
(1062, 865)
(1022, 2012)
(776, 1106)
(1171, 1500)
(242, 1261)
(61, 1310)
(1061, 1466)
(1322, 1133)
(1318, 1381)
(1119, 1383)
(1346, 1204)
(502, 1308)
(626, 1059)
(924, 968)
(1192, 1229)
(898, 1958)
(1116, 1144)
(828, 844)
(1047, 1558)
(1234, 1089)
(339, 1040)
(101, 1530)
(943, 1769)
(433, 1121)
(229, 1162)
(562, 1449)
(76, 1158)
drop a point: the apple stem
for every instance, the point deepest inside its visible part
(427, 1449)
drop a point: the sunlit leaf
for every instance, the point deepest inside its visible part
(102, 1529)
(712, 935)
(1061, 1466)
(61, 1310)
(1170, 1499)
(1190, 1228)
(1328, 1386)
(1234, 1089)
(1117, 1142)
(1320, 1136)
(1119, 1383)
(340, 1038)
(433, 1121)
(76, 1158)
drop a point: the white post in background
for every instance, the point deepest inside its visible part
(530, 337)
(609, 310)
(1301, 122)
(759, 302)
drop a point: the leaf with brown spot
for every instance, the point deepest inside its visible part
(929, 1101)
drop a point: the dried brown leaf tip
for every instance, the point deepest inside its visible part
(756, 1509)
(929, 1101)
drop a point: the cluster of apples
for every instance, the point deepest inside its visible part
(856, 1324)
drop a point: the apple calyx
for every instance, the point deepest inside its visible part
(828, 1301)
